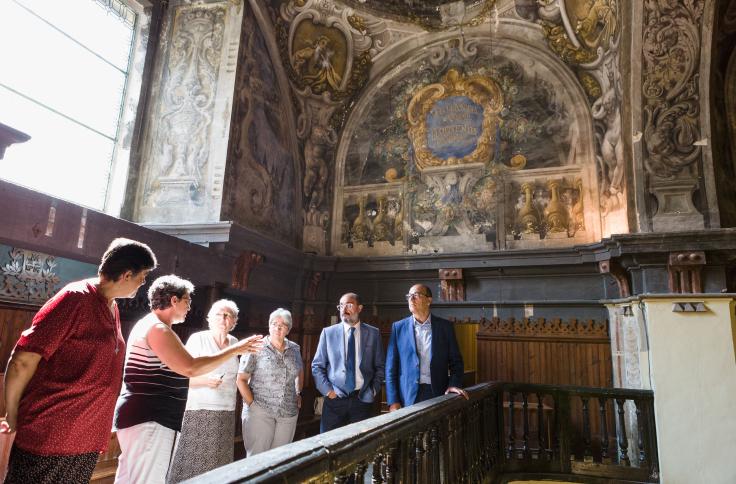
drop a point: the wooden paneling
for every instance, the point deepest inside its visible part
(13, 320)
(545, 352)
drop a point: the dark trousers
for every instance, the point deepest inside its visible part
(337, 412)
(424, 393)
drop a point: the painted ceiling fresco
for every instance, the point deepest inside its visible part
(532, 125)
(468, 153)
(430, 14)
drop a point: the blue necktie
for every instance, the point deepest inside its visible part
(350, 363)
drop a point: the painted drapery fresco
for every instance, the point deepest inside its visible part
(263, 179)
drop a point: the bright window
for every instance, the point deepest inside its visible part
(63, 81)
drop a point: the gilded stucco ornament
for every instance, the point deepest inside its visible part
(459, 108)
(326, 49)
(585, 34)
(671, 52)
(431, 15)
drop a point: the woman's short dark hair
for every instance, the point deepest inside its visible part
(124, 255)
(165, 287)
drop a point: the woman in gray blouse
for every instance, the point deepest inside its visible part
(270, 383)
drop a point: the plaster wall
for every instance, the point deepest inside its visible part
(693, 374)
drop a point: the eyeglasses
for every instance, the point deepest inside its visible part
(278, 325)
(224, 315)
(414, 295)
(346, 306)
(186, 298)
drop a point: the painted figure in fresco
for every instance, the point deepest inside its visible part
(314, 63)
(315, 153)
(606, 109)
(599, 25)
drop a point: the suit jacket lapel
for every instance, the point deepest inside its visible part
(410, 335)
(363, 343)
(339, 341)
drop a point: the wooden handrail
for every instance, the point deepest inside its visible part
(449, 439)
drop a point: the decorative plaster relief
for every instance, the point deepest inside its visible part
(586, 35)
(34, 277)
(670, 85)
(451, 141)
(327, 50)
(187, 107)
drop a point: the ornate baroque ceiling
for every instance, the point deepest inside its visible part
(431, 14)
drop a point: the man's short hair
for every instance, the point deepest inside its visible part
(426, 289)
(165, 287)
(124, 255)
(352, 295)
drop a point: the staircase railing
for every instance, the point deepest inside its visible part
(502, 430)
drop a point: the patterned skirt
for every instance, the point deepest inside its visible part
(205, 443)
(27, 468)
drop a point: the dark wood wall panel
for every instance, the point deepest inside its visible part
(13, 320)
(549, 352)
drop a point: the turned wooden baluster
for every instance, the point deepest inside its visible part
(473, 454)
(377, 477)
(390, 465)
(359, 473)
(525, 423)
(414, 456)
(541, 438)
(641, 431)
(510, 443)
(604, 428)
(434, 454)
(450, 469)
(623, 441)
(587, 452)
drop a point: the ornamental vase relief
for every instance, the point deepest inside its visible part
(184, 145)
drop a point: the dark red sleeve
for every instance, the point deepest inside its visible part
(51, 325)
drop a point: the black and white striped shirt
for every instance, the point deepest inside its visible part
(151, 391)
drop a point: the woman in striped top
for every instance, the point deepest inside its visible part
(152, 400)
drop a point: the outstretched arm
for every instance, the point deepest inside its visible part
(167, 346)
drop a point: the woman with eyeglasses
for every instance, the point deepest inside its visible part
(270, 383)
(208, 428)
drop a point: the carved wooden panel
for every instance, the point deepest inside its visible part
(13, 320)
(550, 352)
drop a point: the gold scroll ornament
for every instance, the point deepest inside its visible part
(483, 91)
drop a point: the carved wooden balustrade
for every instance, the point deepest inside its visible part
(503, 430)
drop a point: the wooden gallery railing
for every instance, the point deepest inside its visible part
(502, 431)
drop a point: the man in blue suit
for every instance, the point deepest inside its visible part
(348, 367)
(423, 358)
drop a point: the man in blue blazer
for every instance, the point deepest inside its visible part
(423, 358)
(348, 367)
